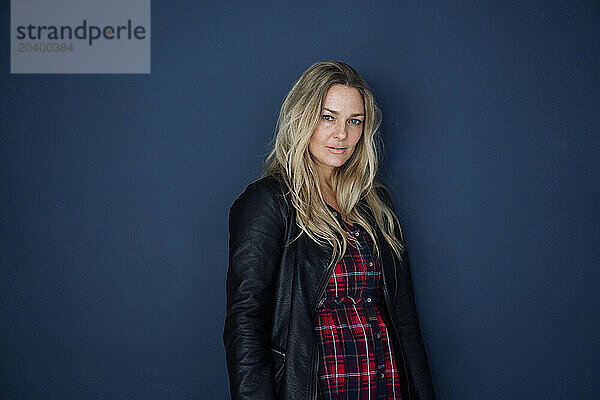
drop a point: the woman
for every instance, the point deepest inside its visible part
(319, 293)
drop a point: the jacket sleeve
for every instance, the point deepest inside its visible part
(256, 231)
(408, 324)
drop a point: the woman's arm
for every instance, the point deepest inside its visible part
(408, 323)
(256, 235)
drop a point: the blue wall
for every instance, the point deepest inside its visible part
(115, 191)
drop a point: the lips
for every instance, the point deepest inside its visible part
(336, 149)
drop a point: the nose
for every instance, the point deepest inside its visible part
(340, 131)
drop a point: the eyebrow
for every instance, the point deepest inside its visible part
(353, 115)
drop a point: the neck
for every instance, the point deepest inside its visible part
(325, 178)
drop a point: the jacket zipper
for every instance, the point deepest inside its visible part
(387, 305)
(278, 352)
(314, 310)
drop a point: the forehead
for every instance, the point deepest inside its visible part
(343, 98)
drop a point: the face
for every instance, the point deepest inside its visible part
(339, 129)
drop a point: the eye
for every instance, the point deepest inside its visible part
(326, 117)
(355, 121)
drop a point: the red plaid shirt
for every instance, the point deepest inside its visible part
(356, 357)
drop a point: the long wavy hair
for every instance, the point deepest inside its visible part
(352, 182)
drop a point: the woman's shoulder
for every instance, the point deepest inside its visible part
(382, 192)
(272, 181)
(271, 185)
(262, 193)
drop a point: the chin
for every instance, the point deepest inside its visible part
(336, 163)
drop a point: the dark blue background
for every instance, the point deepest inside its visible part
(115, 192)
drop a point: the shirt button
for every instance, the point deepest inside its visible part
(357, 233)
(370, 263)
(378, 335)
(382, 375)
(368, 299)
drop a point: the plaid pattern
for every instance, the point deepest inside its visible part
(356, 358)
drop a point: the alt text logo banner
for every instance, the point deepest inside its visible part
(79, 36)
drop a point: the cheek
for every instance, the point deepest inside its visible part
(357, 137)
(313, 144)
(317, 138)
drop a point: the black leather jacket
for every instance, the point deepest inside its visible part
(272, 296)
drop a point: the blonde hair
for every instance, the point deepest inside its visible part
(353, 181)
